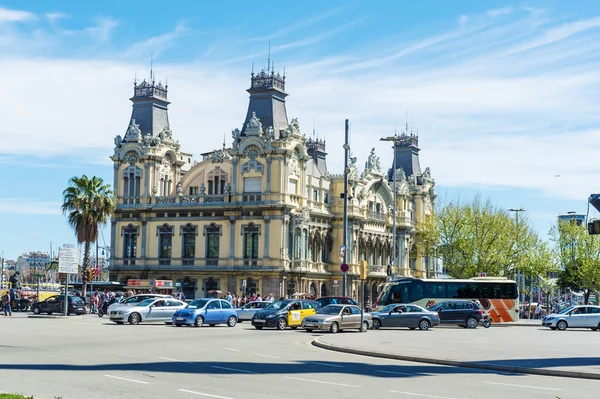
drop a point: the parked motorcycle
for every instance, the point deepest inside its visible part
(486, 321)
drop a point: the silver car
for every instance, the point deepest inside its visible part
(334, 318)
(246, 312)
(150, 310)
(583, 316)
(134, 300)
(405, 315)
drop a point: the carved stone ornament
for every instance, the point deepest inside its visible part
(218, 156)
(353, 173)
(179, 189)
(294, 128)
(412, 180)
(302, 218)
(400, 175)
(253, 163)
(134, 134)
(235, 134)
(293, 167)
(253, 127)
(427, 179)
(270, 133)
(427, 205)
(202, 189)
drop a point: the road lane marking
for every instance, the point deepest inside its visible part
(421, 395)
(227, 368)
(173, 360)
(324, 382)
(233, 350)
(125, 379)
(523, 386)
(327, 364)
(272, 357)
(393, 372)
(204, 394)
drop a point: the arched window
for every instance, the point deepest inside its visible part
(213, 234)
(130, 234)
(165, 244)
(132, 176)
(323, 289)
(188, 242)
(216, 181)
(251, 233)
(251, 286)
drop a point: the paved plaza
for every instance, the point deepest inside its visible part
(88, 357)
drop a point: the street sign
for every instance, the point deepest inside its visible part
(68, 260)
(344, 267)
(336, 282)
(482, 274)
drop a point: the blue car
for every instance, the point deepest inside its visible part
(206, 311)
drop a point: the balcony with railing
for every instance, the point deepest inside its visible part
(377, 271)
(379, 216)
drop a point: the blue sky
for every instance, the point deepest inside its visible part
(503, 94)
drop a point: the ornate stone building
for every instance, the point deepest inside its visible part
(262, 215)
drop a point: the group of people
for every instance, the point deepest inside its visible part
(239, 301)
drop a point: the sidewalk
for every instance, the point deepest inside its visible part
(572, 353)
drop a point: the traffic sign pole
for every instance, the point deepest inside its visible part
(66, 300)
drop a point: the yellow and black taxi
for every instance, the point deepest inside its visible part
(284, 313)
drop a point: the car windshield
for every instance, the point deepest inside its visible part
(198, 304)
(133, 299)
(566, 310)
(278, 305)
(330, 310)
(76, 299)
(147, 302)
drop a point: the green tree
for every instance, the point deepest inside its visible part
(87, 203)
(579, 254)
(478, 237)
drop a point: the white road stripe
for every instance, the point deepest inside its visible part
(392, 372)
(421, 395)
(204, 394)
(173, 360)
(125, 379)
(227, 368)
(231, 349)
(523, 386)
(327, 364)
(324, 382)
(272, 357)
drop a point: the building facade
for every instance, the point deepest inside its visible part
(34, 262)
(263, 214)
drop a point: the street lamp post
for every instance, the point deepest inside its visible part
(517, 211)
(346, 173)
(395, 140)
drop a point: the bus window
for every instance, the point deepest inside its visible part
(435, 289)
(417, 291)
(400, 294)
(453, 290)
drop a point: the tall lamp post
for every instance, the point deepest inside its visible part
(517, 211)
(395, 139)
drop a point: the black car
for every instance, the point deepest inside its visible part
(54, 304)
(464, 313)
(284, 313)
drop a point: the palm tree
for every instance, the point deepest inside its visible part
(87, 203)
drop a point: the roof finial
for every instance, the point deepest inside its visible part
(151, 67)
(224, 141)
(269, 59)
(406, 129)
(253, 68)
(314, 125)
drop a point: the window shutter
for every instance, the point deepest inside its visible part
(252, 185)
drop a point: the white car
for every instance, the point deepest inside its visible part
(150, 310)
(134, 300)
(582, 316)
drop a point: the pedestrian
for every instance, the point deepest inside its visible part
(537, 311)
(258, 298)
(6, 304)
(228, 297)
(367, 304)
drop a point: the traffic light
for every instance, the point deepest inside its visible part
(90, 274)
(363, 270)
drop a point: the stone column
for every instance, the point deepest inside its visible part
(146, 179)
(113, 240)
(144, 234)
(116, 178)
(267, 226)
(232, 238)
(269, 161)
(234, 162)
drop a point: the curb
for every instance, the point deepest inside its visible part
(474, 365)
(43, 316)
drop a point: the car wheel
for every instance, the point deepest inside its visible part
(35, 310)
(472, 322)
(562, 325)
(258, 327)
(594, 328)
(334, 328)
(424, 325)
(231, 322)
(134, 318)
(376, 324)
(309, 330)
(199, 321)
(364, 327)
(281, 324)
(120, 322)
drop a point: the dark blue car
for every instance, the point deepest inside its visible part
(206, 311)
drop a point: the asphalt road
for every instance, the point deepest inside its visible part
(88, 357)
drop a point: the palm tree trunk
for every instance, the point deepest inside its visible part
(86, 262)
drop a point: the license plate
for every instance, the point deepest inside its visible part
(259, 321)
(309, 324)
(180, 319)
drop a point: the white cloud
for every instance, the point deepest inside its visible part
(488, 117)
(500, 11)
(27, 206)
(9, 15)
(55, 16)
(463, 19)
